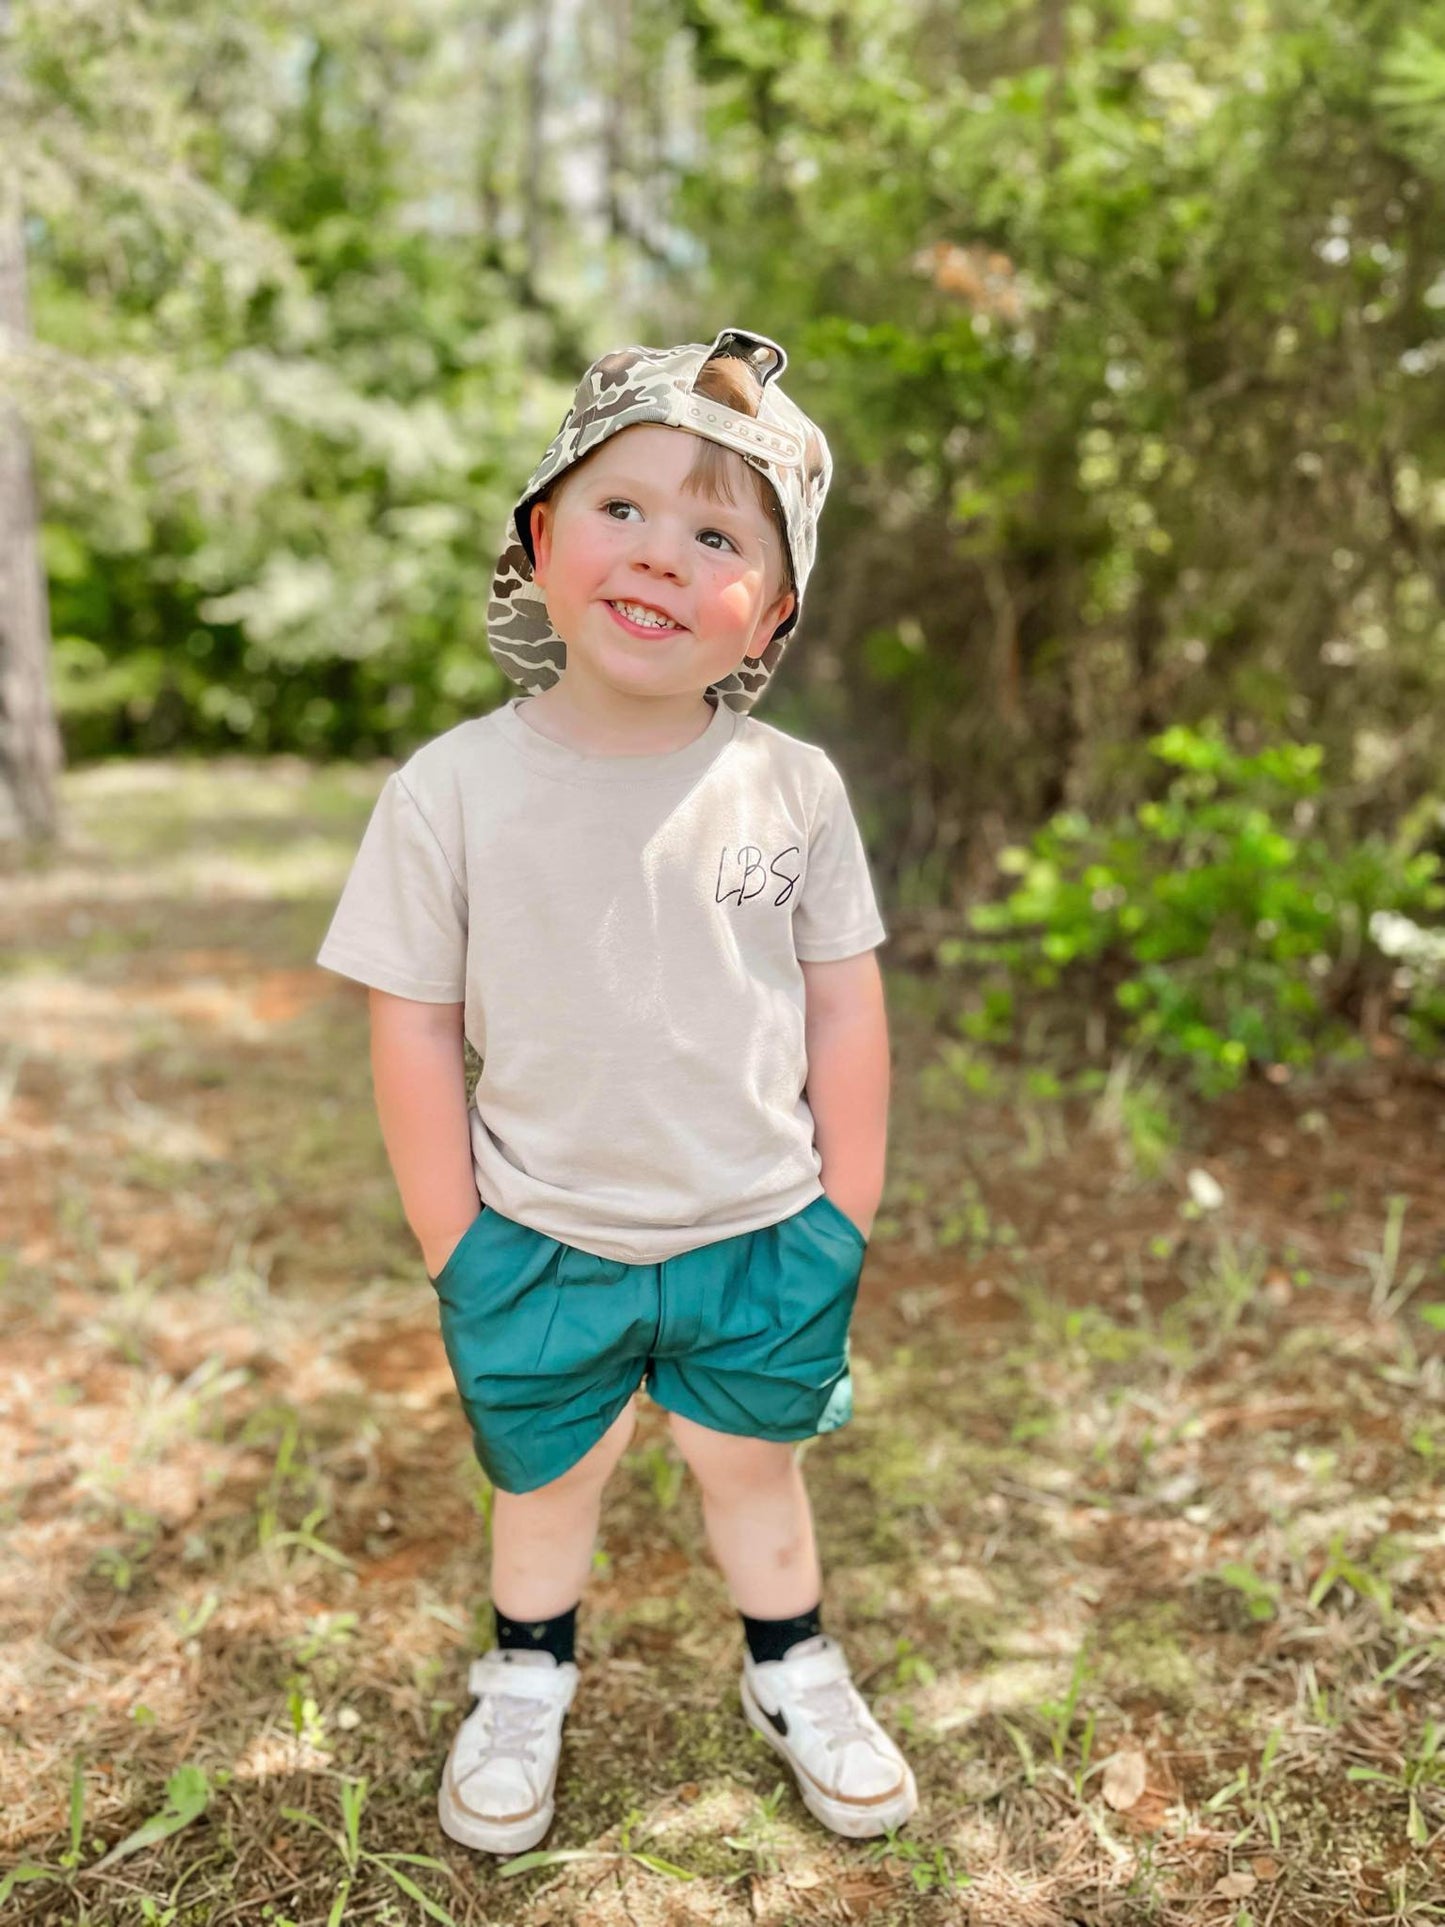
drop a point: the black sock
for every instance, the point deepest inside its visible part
(555, 1636)
(771, 1638)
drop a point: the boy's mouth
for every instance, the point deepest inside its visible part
(641, 620)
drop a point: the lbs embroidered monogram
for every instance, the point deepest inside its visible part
(743, 874)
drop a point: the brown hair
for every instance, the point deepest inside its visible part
(733, 382)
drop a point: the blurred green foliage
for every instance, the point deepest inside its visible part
(1219, 918)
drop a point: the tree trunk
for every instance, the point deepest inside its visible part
(30, 753)
(534, 200)
(481, 34)
(616, 97)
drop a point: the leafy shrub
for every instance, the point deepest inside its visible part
(1227, 927)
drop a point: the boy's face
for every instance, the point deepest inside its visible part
(623, 531)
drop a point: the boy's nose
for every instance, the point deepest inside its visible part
(660, 553)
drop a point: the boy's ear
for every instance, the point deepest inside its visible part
(540, 523)
(768, 623)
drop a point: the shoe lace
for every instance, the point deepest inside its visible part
(836, 1710)
(513, 1728)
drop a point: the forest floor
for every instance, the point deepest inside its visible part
(1136, 1541)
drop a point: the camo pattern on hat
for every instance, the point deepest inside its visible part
(633, 385)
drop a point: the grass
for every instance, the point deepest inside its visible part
(1135, 1540)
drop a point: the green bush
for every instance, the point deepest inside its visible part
(1220, 919)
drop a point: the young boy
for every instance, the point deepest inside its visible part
(653, 917)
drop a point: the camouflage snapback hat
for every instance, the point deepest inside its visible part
(621, 390)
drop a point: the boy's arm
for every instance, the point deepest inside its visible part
(419, 1077)
(848, 1080)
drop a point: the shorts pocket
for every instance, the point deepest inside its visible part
(825, 1205)
(457, 1251)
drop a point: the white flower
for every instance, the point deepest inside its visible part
(1206, 1192)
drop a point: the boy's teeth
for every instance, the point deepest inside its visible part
(636, 613)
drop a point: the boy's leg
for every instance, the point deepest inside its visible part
(797, 1692)
(758, 1518)
(498, 1786)
(542, 1541)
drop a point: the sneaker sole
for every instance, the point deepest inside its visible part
(840, 1816)
(491, 1836)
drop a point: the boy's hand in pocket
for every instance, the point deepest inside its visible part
(436, 1253)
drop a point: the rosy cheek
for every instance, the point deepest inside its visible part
(582, 556)
(735, 602)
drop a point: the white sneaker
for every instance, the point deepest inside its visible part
(850, 1774)
(497, 1785)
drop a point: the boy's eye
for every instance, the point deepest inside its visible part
(618, 502)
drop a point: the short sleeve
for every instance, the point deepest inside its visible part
(401, 922)
(837, 915)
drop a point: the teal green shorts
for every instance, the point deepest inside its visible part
(747, 1335)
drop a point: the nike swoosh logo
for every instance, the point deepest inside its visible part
(778, 1721)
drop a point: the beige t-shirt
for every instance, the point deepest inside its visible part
(625, 934)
